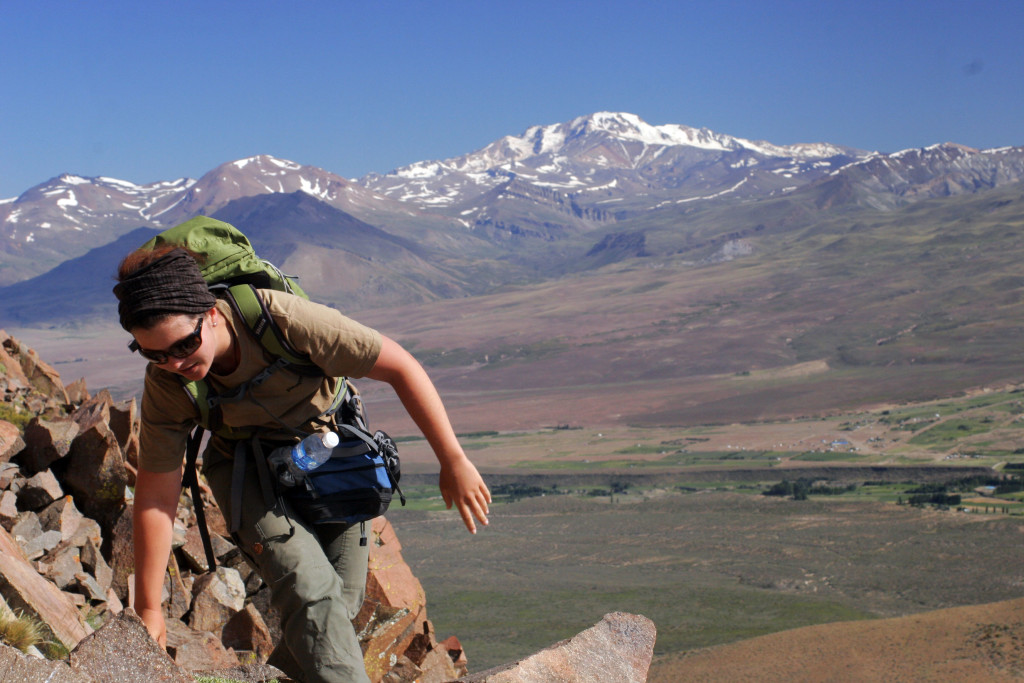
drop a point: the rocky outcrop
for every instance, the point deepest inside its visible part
(618, 648)
(67, 465)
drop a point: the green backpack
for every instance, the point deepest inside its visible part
(233, 270)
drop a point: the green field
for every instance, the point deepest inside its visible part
(708, 562)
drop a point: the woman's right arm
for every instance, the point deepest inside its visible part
(156, 503)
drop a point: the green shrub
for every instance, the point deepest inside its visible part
(18, 419)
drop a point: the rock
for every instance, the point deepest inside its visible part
(77, 599)
(114, 605)
(37, 546)
(43, 377)
(214, 517)
(216, 597)
(618, 648)
(96, 474)
(438, 667)
(122, 652)
(94, 563)
(394, 610)
(8, 509)
(62, 566)
(40, 375)
(11, 442)
(39, 491)
(77, 392)
(224, 550)
(261, 599)
(10, 365)
(9, 473)
(27, 526)
(197, 650)
(179, 590)
(192, 550)
(247, 673)
(454, 649)
(94, 411)
(46, 442)
(29, 592)
(130, 449)
(17, 667)
(124, 421)
(121, 557)
(392, 632)
(390, 580)
(247, 631)
(29, 535)
(434, 660)
(404, 670)
(61, 515)
(88, 532)
(87, 585)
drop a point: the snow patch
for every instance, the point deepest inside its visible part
(283, 163)
(71, 200)
(120, 183)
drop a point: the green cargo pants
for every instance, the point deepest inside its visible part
(317, 577)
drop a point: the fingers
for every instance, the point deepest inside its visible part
(475, 505)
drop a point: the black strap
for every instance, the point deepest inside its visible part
(266, 483)
(237, 486)
(190, 478)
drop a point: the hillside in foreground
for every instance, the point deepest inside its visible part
(979, 643)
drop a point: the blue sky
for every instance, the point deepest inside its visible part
(155, 90)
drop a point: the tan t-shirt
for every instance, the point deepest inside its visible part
(337, 344)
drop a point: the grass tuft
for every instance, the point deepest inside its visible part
(21, 631)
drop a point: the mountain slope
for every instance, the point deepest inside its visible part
(976, 643)
(68, 215)
(340, 259)
(77, 289)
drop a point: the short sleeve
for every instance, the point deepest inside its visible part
(167, 416)
(336, 343)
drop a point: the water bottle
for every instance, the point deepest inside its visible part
(304, 456)
(313, 451)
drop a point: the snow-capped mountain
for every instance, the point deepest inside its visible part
(69, 214)
(885, 181)
(606, 159)
(71, 203)
(552, 193)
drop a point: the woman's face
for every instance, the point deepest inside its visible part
(175, 334)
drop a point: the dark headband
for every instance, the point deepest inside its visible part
(169, 285)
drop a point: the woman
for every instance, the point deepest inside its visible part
(316, 573)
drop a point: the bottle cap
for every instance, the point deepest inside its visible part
(330, 439)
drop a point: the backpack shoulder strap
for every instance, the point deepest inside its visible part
(207, 415)
(250, 307)
(190, 479)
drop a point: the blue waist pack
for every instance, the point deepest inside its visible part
(354, 485)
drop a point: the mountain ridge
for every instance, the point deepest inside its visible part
(559, 198)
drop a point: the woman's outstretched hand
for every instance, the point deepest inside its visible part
(462, 486)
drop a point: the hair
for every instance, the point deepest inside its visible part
(132, 264)
(140, 258)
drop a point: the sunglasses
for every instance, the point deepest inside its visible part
(183, 348)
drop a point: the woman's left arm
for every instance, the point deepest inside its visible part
(460, 482)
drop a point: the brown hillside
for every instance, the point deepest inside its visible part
(975, 643)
